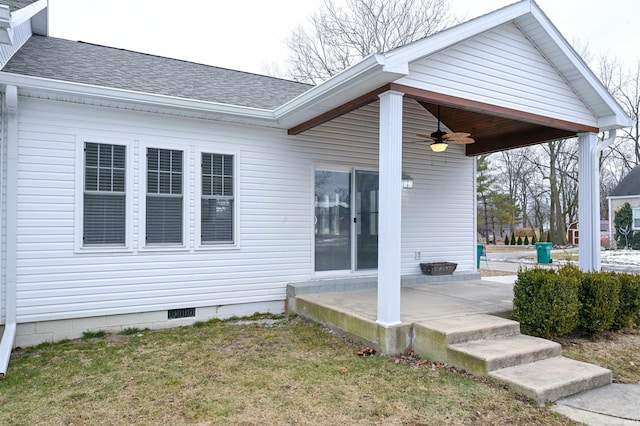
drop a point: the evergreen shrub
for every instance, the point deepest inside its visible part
(628, 311)
(546, 302)
(599, 299)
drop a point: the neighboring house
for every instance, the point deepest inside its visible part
(627, 191)
(137, 189)
(573, 233)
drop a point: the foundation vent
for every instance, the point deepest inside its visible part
(181, 313)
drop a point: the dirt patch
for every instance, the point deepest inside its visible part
(494, 273)
(617, 351)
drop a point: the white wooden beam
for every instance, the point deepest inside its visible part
(389, 218)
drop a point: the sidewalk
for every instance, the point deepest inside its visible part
(614, 404)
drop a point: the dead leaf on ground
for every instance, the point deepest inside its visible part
(366, 351)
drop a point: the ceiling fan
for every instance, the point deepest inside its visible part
(442, 139)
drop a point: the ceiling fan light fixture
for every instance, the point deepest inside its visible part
(439, 146)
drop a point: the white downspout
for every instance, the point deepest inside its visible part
(596, 150)
(8, 337)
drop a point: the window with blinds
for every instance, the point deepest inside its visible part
(164, 196)
(217, 201)
(104, 195)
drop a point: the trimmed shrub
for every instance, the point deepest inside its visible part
(506, 240)
(599, 299)
(519, 241)
(534, 240)
(549, 237)
(513, 239)
(628, 312)
(546, 302)
(526, 240)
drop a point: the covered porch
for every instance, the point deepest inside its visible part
(509, 79)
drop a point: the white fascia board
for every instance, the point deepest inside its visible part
(612, 122)
(27, 12)
(9, 21)
(445, 38)
(620, 118)
(6, 32)
(5, 16)
(372, 67)
(121, 95)
(622, 197)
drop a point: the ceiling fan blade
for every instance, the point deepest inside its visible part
(460, 141)
(423, 136)
(456, 135)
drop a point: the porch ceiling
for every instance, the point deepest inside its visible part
(494, 128)
(494, 133)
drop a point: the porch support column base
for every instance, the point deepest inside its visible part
(389, 208)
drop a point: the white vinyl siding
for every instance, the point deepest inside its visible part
(274, 201)
(164, 202)
(501, 67)
(217, 204)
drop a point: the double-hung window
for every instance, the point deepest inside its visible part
(164, 201)
(636, 218)
(104, 204)
(217, 199)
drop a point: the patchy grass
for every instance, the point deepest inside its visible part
(251, 371)
(617, 351)
(86, 335)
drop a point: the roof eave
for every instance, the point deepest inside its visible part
(226, 112)
(525, 8)
(618, 118)
(370, 73)
(10, 20)
(448, 37)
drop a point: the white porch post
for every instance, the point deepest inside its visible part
(588, 204)
(389, 210)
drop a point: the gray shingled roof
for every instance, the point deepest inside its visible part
(629, 185)
(17, 4)
(81, 62)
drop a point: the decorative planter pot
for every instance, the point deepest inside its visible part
(438, 268)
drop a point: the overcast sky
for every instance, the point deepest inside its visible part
(248, 35)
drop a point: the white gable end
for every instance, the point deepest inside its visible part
(500, 67)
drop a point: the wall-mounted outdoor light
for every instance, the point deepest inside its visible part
(407, 182)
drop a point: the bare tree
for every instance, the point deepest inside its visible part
(339, 37)
(624, 84)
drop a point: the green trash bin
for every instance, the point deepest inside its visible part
(544, 252)
(480, 252)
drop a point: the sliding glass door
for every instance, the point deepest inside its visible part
(346, 239)
(366, 220)
(332, 220)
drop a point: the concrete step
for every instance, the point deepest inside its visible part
(553, 378)
(434, 336)
(483, 356)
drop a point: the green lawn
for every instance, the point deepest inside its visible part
(274, 371)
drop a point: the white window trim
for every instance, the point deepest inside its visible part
(635, 215)
(198, 199)
(80, 142)
(142, 195)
